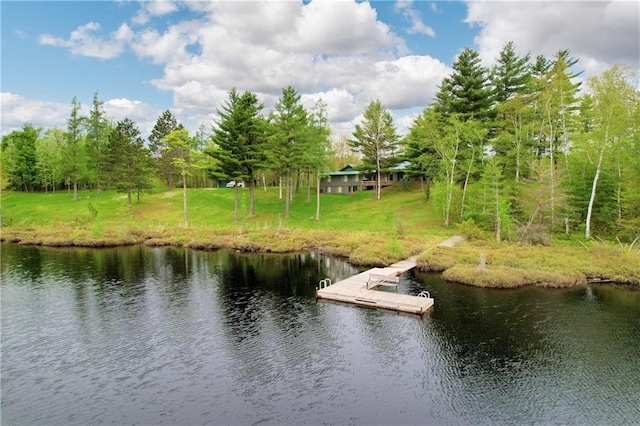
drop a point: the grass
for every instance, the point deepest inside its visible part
(512, 265)
(359, 227)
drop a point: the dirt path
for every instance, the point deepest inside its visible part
(451, 241)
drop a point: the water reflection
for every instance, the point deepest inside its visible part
(169, 335)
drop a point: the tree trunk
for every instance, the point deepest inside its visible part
(129, 199)
(252, 186)
(280, 187)
(552, 170)
(75, 190)
(498, 219)
(464, 188)
(619, 190)
(587, 232)
(235, 202)
(184, 200)
(318, 197)
(308, 187)
(287, 191)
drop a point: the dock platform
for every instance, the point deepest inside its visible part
(360, 290)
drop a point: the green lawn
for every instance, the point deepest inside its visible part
(403, 211)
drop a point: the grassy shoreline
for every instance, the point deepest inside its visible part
(364, 231)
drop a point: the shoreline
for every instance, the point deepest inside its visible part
(507, 265)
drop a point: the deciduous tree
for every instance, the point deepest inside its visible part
(19, 157)
(179, 143)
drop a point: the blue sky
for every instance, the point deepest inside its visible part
(146, 57)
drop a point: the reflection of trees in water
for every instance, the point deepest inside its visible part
(24, 261)
(488, 329)
(271, 318)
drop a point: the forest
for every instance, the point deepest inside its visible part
(524, 150)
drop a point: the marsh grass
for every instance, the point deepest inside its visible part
(513, 265)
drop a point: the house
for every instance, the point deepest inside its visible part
(348, 179)
(344, 181)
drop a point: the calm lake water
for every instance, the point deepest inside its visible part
(140, 335)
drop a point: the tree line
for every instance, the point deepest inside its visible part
(289, 144)
(519, 149)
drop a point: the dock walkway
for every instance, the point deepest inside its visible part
(360, 290)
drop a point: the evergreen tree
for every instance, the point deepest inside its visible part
(316, 158)
(97, 128)
(289, 138)
(511, 75)
(73, 154)
(420, 147)
(559, 105)
(165, 124)
(239, 135)
(127, 163)
(466, 91)
(376, 139)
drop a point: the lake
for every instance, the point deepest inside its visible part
(139, 335)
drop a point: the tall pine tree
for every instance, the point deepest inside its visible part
(239, 135)
(127, 163)
(376, 139)
(165, 124)
(289, 138)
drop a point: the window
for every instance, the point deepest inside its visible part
(328, 190)
(339, 190)
(329, 179)
(345, 178)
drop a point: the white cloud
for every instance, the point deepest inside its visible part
(171, 46)
(152, 8)
(339, 50)
(407, 82)
(417, 26)
(18, 110)
(144, 115)
(598, 33)
(82, 41)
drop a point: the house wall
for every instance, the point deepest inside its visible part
(339, 184)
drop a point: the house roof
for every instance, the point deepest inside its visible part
(350, 170)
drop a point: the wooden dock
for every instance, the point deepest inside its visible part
(360, 290)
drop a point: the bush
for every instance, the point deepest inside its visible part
(471, 231)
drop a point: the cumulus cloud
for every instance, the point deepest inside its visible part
(18, 110)
(149, 9)
(82, 41)
(409, 81)
(170, 46)
(338, 50)
(599, 33)
(144, 115)
(417, 26)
